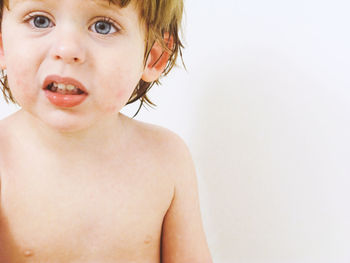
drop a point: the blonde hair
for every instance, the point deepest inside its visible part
(160, 17)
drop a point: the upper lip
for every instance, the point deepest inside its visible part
(64, 80)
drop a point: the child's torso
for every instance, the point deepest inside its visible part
(82, 212)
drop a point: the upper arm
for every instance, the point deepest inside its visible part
(183, 237)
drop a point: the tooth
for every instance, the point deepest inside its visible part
(61, 87)
(70, 87)
(55, 85)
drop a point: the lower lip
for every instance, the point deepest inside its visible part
(65, 101)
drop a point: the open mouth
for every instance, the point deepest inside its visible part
(64, 89)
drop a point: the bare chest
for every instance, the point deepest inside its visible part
(89, 214)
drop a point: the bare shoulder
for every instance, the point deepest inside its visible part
(183, 237)
(168, 147)
(157, 134)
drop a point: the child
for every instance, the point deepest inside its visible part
(80, 182)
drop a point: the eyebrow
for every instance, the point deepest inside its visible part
(103, 3)
(112, 5)
(106, 3)
(20, 1)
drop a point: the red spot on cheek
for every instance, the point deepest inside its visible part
(21, 89)
(28, 253)
(15, 81)
(121, 94)
(118, 101)
(18, 82)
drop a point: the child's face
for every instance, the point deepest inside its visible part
(96, 44)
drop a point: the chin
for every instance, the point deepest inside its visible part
(65, 121)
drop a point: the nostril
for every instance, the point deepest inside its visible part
(74, 59)
(68, 54)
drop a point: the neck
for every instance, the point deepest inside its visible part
(101, 138)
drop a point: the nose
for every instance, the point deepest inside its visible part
(68, 47)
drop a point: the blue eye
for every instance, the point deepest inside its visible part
(104, 27)
(41, 22)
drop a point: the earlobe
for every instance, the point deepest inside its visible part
(157, 60)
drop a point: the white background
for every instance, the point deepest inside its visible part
(264, 108)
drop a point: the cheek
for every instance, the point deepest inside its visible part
(21, 83)
(117, 88)
(116, 101)
(112, 96)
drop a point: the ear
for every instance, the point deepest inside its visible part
(157, 60)
(2, 56)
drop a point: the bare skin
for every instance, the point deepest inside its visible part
(83, 183)
(114, 204)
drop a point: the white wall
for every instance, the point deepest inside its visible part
(265, 110)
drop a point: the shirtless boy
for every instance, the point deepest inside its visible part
(80, 182)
